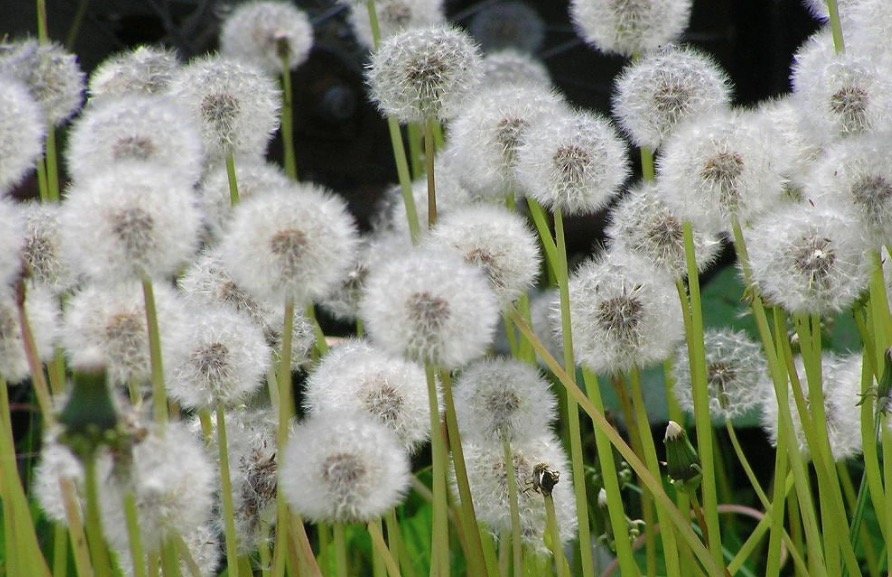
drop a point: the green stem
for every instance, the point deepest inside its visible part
(340, 546)
(516, 543)
(159, 393)
(288, 117)
(702, 417)
(394, 537)
(476, 562)
(380, 548)
(52, 165)
(429, 152)
(745, 463)
(440, 529)
(836, 27)
(60, 551)
(265, 556)
(321, 342)
(43, 186)
(98, 550)
(541, 222)
(82, 564)
(76, 24)
(648, 173)
(232, 178)
(137, 554)
(563, 570)
(286, 411)
(416, 148)
(226, 494)
(170, 559)
(42, 33)
(38, 379)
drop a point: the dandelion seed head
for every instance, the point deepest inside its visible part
(394, 17)
(50, 72)
(145, 70)
(260, 31)
(22, 130)
(629, 27)
(509, 67)
(508, 25)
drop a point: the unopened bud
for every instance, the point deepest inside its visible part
(682, 461)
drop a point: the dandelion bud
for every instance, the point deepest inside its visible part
(262, 32)
(88, 416)
(42, 251)
(495, 240)
(625, 314)
(682, 461)
(290, 243)
(344, 468)
(22, 129)
(509, 66)
(51, 74)
(394, 17)
(658, 92)
(809, 259)
(736, 373)
(575, 163)
(632, 26)
(43, 316)
(393, 391)
(503, 399)
(431, 306)
(424, 74)
(145, 70)
(642, 224)
(237, 106)
(129, 221)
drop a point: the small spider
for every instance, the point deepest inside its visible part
(544, 479)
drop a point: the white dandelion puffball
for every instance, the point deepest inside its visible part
(510, 66)
(664, 88)
(236, 104)
(430, 306)
(839, 95)
(780, 119)
(50, 72)
(424, 74)
(135, 129)
(497, 241)
(393, 391)
(394, 17)
(855, 172)
(106, 326)
(173, 482)
(22, 130)
(254, 176)
(737, 374)
(502, 398)
(488, 478)
(290, 243)
(867, 24)
(56, 464)
(575, 163)
(841, 385)
(12, 240)
(220, 359)
(486, 135)
(129, 221)
(641, 223)
(818, 8)
(625, 314)
(717, 168)
(809, 259)
(343, 468)
(262, 32)
(145, 70)
(43, 316)
(42, 247)
(630, 27)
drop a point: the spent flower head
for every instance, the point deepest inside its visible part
(424, 74)
(511, 67)
(12, 240)
(394, 17)
(22, 130)
(508, 24)
(630, 27)
(50, 72)
(264, 32)
(42, 248)
(145, 70)
(354, 470)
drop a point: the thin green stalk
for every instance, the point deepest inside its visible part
(702, 417)
(745, 463)
(226, 494)
(52, 165)
(43, 186)
(648, 173)
(670, 546)
(856, 503)
(159, 393)
(98, 550)
(394, 537)
(515, 542)
(340, 547)
(134, 535)
(56, 372)
(321, 342)
(416, 148)
(233, 179)
(170, 559)
(887, 475)
(879, 310)
(264, 550)
(603, 427)
(563, 570)
(82, 564)
(685, 561)
(38, 379)
(379, 548)
(429, 153)
(286, 411)
(60, 551)
(541, 222)
(525, 349)
(11, 549)
(76, 24)
(288, 116)
(476, 562)
(42, 33)
(440, 528)
(839, 44)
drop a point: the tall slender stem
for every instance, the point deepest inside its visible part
(232, 178)
(380, 548)
(340, 547)
(226, 495)
(440, 529)
(288, 116)
(159, 393)
(429, 153)
(134, 534)
(836, 26)
(513, 508)
(38, 379)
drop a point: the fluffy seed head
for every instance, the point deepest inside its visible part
(430, 306)
(296, 242)
(509, 66)
(237, 105)
(394, 17)
(42, 248)
(51, 73)
(393, 391)
(737, 375)
(11, 241)
(452, 193)
(43, 316)
(130, 220)
(809, 259)
(424, 74)
(641, 223)
(145, 70)
(653, 95)
(718, 167)
(57, 463)
(488, 478)
(509, 24)
(495, 240)
(135, 129)
(503, 399)
(354, 470)
(22, 129)
(574, 163)
(629, 27)
(625, 313)
(262, 32)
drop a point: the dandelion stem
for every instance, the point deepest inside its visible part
(170, 560)
(288, 117)
(38, 379)
(75, 28)
(563, 570)
(52, 165)
(395, 539)
(429, 152)
(43, 186)
(440, 528)
(836, 26)
(516, 544)
(98, 550)
(159, 393)
(60, 551)
(232, 178)
(82, 564)
(380, 548)
(340, 546)
(226, 494)
(648, 173)
(286, 410)
(131, 513)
